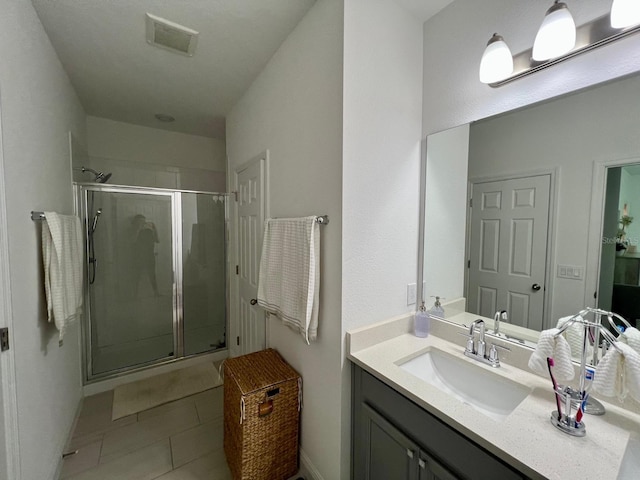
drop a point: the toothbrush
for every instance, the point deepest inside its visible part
(550, 364)
(589, 373)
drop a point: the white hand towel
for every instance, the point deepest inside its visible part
(618, 373)
(631, 336)
(555, 346)
(289, 278)
(575, 335)
(62, 258)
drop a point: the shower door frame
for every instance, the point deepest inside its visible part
(82, 198)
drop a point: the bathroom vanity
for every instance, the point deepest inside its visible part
(481, 423)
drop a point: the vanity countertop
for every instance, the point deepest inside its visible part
(525, 439)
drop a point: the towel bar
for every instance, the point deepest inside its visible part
(37, 216)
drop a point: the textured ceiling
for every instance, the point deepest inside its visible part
(117, 75)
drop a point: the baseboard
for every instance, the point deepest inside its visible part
(57, 468)
(307, 469)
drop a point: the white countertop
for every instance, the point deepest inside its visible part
(526, 439)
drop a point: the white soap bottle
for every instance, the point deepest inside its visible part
(436, 311)
(421, 322)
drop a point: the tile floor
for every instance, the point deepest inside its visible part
(181, 440)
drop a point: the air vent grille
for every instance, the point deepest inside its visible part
(171, 36)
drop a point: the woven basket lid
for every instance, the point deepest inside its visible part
(259, 370)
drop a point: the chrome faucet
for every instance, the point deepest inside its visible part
(500, 315)
(477, 349)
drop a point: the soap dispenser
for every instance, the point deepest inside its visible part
(421, 322)
(436, 311)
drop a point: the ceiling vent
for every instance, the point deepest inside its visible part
(171, 36)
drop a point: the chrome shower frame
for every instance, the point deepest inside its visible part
(81, 195)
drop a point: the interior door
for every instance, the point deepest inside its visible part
(507, 263)
(250, 224)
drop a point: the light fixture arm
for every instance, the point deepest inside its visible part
(589, 36)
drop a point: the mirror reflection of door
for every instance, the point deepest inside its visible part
(509, 222)
(619, 282)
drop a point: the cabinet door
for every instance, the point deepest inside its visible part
(389, 454)
(432, 470)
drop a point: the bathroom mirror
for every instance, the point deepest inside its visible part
(514, 209)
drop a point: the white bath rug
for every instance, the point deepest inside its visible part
(144, 394)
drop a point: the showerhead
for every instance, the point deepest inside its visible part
(95, 220)
(100, 176)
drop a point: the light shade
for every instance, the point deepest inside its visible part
(625, 13)
(497, 61)
(557, 34)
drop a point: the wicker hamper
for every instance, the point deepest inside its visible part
(262, 400)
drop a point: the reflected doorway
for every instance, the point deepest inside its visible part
(619, 281)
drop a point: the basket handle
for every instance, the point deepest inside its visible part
(265, 408)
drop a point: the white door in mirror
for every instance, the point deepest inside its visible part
(507, 268)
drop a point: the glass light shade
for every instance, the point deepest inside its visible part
(557, 34)
(497, 61)
(625, 13)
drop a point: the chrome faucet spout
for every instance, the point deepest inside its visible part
(500, 315)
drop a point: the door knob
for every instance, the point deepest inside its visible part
(253, 301)
(535, 287)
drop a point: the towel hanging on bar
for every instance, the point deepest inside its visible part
(289, 278)
(62, 261)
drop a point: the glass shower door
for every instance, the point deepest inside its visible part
(203, 271)
(130, 251)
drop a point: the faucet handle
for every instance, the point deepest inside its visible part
(469, 347)
(493, 353)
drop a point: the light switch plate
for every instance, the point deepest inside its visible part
(571, 272)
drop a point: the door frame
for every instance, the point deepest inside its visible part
(8, 389)
(234, 285)
(596, 220)
(554, 174)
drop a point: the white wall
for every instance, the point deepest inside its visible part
(39, 107)
(381, 159)
(572, 141)
(294, 110)
(145, 156)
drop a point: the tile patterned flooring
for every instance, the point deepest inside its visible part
(181, 440)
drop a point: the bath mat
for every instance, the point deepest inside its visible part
(150, 392)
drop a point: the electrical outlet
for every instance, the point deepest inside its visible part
(412, 291)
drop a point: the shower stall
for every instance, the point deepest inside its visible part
(156, 276)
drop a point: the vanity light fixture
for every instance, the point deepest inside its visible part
(497, 61)
(625, 13)
(557, 34)
(557, 40)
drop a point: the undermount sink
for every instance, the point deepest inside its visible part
(631, 460)
(490, 394)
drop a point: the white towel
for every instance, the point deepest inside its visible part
(618, 373)
(631, 336)
(62, 258)
(555, 346)
(289, 278)
(575, 336)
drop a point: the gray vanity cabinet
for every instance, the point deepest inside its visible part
(390, 454)
(395, 439)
